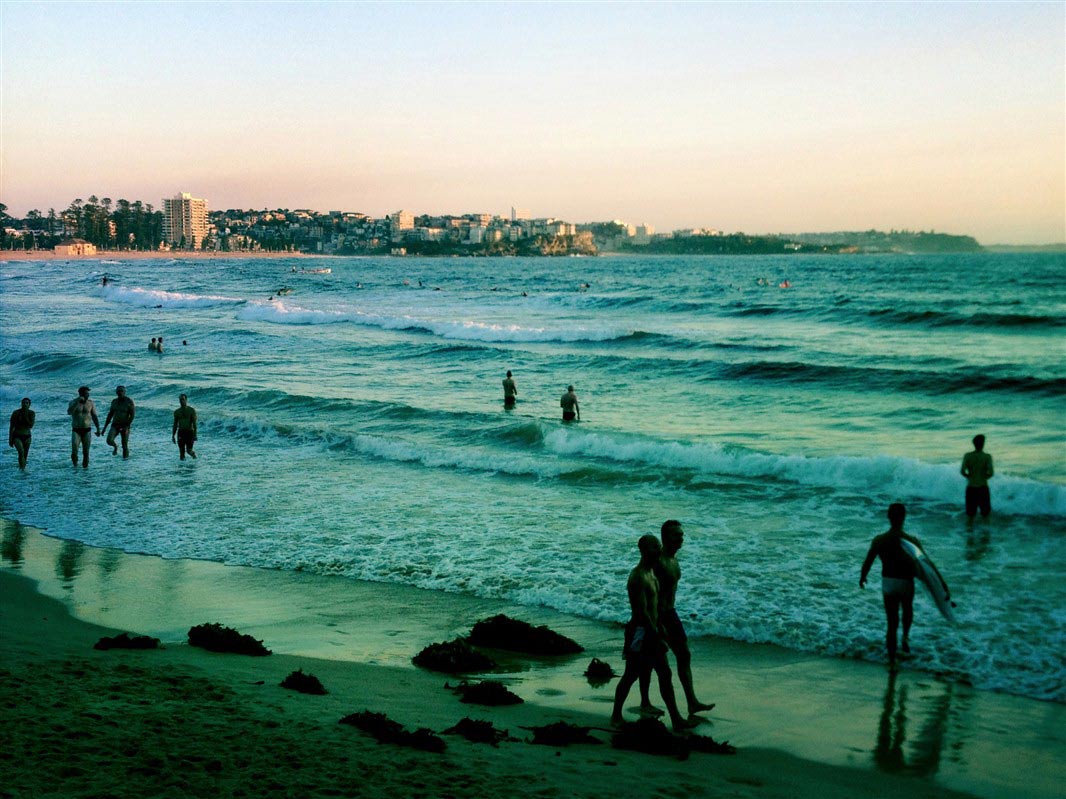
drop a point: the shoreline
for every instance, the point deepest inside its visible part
(804, 725)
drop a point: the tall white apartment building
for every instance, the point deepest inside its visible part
(184, 216)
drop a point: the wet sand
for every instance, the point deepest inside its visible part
(180, 721)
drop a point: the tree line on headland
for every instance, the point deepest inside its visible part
(126, 225)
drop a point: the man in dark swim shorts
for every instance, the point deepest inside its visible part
(977, 469)
(120, 417)
(568, 402)
(510, 391)
(82, 412)
(19, 432)
(184, 429)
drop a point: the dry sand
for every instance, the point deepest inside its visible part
(179, 721)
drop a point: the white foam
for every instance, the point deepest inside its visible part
(151, 298)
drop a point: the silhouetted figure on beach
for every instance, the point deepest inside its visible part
(668, 572)
(569, 405)
(897, 578)
(645, 646)
(83, 416)
(184, 429)
(120, 417)
(977, 469)
(510, 391)
(20, 431)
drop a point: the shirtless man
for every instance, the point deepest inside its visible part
(120, 417)
(977, 469)
(152, 345)
(569, 405)
(82, 412)
(668, 572)
(184, 429)
(19, 432)
(510, 391)
(897, 578)
(645, 648)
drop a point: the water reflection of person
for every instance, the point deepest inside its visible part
(11, 546)
(68, 562)
(926, 746)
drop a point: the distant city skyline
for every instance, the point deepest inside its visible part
(763, 118)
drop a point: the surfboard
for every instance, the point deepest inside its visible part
(931, 579)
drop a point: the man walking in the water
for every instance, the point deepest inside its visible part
(20, 431)
(668, 572)
(510, 391)
(977, 469)
(570, 406)
(184, 429)
(644, 648)
(897, 578)
(82, 414)
(120, 417)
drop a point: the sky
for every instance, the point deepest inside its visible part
(753, 117)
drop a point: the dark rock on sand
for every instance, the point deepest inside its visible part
(127, 641)
(479, 732)
(486, 692)
(385, 730)
(561, 734)
(453, 657)
(599, 673)
(216, 638)
(304, 683)
(503, 632)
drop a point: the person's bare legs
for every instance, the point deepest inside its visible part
(621, 691)
(22, 451)
(908, 618)
(684, 676)
(892, 604)
(666, 689)
(646, 707)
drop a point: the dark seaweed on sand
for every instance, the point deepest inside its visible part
(599, 673)
(653, 738)
(561, 734)
(127, 641)
(386, 731)
(216, 638)
(486, 692)
(453, 657)
(304, 683)
(479, 732)
(503, 632)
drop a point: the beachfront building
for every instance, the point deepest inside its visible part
(184, 220)
(71, 247)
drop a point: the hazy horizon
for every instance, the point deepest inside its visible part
(761, 118)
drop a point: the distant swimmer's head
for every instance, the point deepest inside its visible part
(569, 388)
(84, 391)
(897, 512)
(508, 372)
(649, 546)
(979, 442)
(120, 390)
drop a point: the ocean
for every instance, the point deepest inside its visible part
(353, 425)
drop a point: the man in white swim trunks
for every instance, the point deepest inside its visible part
(897, 578)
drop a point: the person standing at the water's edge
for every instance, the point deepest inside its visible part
(897, 578)
(569, 405)
(510, 391)
(82, 412)
(977, 469)
(184, 429)
(20, 431)
(120, 417)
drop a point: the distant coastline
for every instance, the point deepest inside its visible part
(158, 255)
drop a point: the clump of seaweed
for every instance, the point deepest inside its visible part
(599, 673)
(453, 657)
(386, 731)
(216, 638)
(127, 641)
(561, 734)
(486, 692)
(652, 737)
(503, 632)
(304, 683)
(479, 732)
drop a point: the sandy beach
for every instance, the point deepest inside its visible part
(180, 721)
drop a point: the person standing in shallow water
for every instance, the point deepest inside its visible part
(668, 572)
(977, 469)
(120, 417)
(184, 429)
(644, 649)
(510, 391)
(82, 413)
(568, 403)
(897, 578)
(20, 431)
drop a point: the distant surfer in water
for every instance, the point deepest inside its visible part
(570, 406)
(645, 648)
(897, 578)
(977, 469)
(668, 572)
(510, 391)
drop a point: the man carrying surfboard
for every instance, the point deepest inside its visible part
(898, 570)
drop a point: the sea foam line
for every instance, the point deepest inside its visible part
(152, 298)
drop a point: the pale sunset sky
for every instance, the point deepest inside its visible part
(754, 117)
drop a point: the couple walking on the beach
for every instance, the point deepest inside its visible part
(655, 628)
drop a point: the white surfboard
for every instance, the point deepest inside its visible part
(931, 579)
